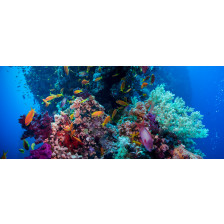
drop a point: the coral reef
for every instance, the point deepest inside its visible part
(107, 113)
(40, 127)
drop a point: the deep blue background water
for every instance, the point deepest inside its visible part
(207, 96)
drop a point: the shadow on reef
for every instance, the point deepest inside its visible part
(46, 80)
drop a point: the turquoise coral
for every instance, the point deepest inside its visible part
(174, 116)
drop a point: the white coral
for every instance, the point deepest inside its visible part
(174, 116)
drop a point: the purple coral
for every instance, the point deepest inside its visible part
(154, 125)
(39, 128)
(44, 152)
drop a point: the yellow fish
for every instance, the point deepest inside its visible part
(98, 79)
(128, 90)
(59, 95)
(114, 113)
(97, 114)
(115, 75)
(122, 103)
(107, 119)
(122, 86)
(137, 143)
(78, 91)
(72, 116)
(84, 100)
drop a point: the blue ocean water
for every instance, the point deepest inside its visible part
(206, 94)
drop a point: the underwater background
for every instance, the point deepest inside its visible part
(124, 89)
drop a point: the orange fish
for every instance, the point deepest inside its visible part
(97, 114)
(46, 103)
(114, 113)
(49, 98)
(66, 69)
(78, 91)
(77, 139)
(4, 155)
(122, 103)
(29, 117)
(68, 128)
(59, 95)
(98, 79)
(144, 84)
(85, 82)
(102, 151)
(72, 133)
(137, 143)
(107, 119)
(122, 86)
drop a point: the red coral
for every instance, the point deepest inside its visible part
(71, 143)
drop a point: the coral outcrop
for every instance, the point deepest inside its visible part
(40, 127)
